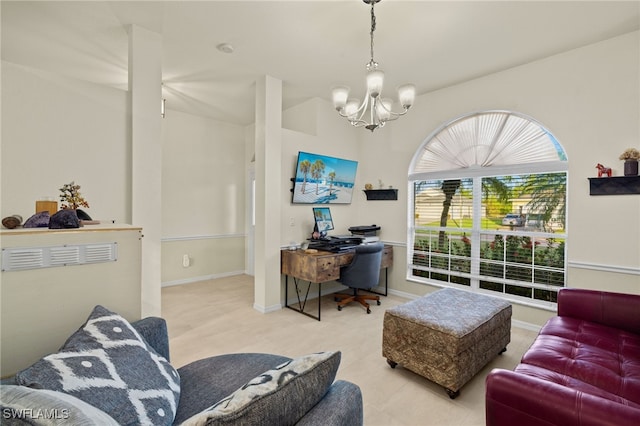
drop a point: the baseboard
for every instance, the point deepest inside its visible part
(526, 325)
(403, 294)
(201, 278)
(266, 310)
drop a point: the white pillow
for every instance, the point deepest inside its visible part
(43, 407)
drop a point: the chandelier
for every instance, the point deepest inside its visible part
(374, 111)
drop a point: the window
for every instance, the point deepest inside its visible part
(489, 198)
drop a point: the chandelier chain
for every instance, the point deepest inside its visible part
(374, 106)
(372, 63)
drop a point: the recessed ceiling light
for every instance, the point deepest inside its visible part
(225, 47)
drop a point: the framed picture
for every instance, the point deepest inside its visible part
(321, 179)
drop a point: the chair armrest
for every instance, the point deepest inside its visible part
(518, 399)
(154, 331)
(616, 310)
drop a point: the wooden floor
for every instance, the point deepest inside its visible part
(216, 317)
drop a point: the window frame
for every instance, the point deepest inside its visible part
(476, 174)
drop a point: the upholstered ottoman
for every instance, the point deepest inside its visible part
(447, 336)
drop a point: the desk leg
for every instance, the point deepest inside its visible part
(301, 303)
(319, 297)
(286, 291)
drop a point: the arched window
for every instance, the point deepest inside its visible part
(488, 192)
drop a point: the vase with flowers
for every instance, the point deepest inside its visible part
(630, 156)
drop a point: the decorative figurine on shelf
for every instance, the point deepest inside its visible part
(602, 170)
(64, 219)
(12, 222)
(368, 187)
(38, 220)
(70, 197)
(71, 201)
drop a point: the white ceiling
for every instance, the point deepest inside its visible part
(310, 45)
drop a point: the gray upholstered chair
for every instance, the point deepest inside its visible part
(362, 273)
(310, 397)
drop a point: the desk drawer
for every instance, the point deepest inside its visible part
(327, 269)
(317, 267)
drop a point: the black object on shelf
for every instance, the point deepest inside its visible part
(615, 185)
(381, 194)
(365, 230)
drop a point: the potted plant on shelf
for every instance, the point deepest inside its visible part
(630, 157)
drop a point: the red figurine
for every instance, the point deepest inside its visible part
(602, 170)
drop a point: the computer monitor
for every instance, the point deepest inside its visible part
(323, 220)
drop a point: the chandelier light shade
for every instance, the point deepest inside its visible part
(373, 111)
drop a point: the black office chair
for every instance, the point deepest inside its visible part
(362, 273)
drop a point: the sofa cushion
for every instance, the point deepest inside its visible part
(278, 396)
(571, 383)
(587, 356)
(107, 364)
(23, 405)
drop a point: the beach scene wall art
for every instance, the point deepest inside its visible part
(321, 179)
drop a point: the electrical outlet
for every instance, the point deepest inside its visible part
(186, 261)
(292, 222)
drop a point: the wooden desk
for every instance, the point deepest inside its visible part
(319, 267)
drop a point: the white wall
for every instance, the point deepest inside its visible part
(40, 308)
(57, 130)
(203, 198)
(589, 99)
(203, 176)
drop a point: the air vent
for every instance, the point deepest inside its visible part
(99, 253)
(62, 256)
(13, 259)
(23, 258)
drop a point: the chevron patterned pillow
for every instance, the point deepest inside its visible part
(108, 365)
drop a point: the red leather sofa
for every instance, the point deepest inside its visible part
(582, 369)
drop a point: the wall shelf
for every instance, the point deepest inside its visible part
(381, 194)
(615, 185)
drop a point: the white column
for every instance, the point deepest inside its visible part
(268, 149)
(145, 78)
